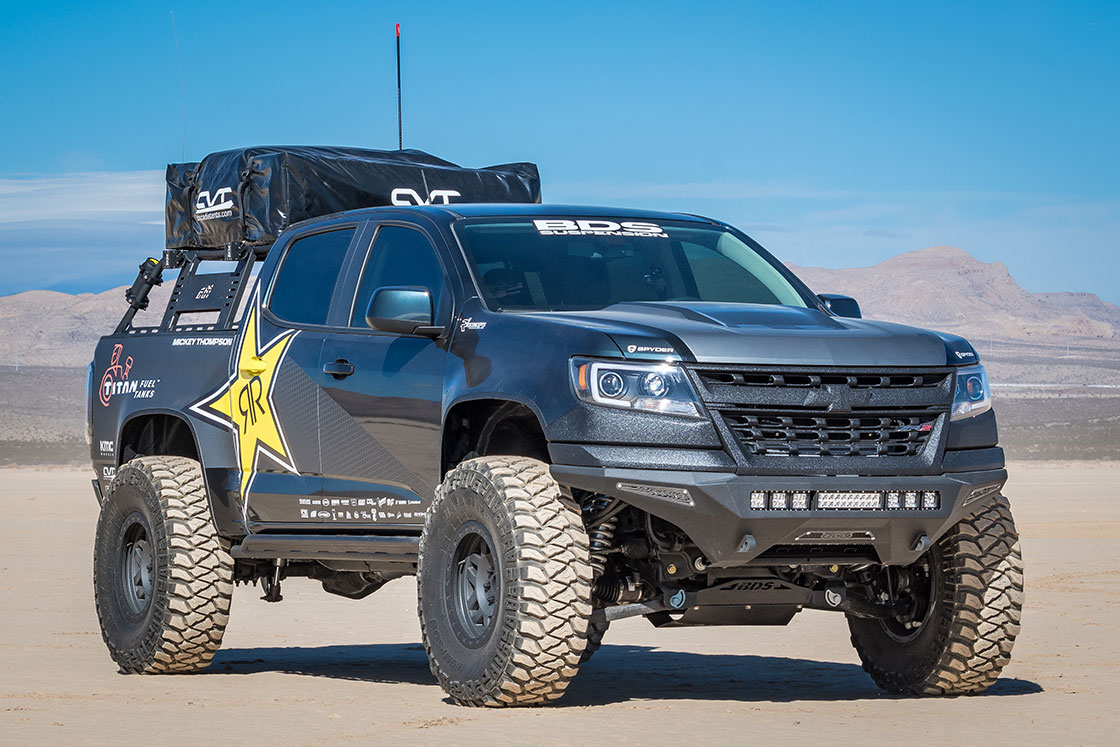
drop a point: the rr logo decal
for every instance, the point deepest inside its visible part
(249, 402)
(244, 403)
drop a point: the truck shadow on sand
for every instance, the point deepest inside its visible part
(618, 673)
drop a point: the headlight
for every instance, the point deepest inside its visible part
(973, 395)
(653, 387)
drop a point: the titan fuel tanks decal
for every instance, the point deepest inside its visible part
(245, 403)
(119, 380)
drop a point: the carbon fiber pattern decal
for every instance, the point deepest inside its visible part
(297, 395)
(348, 450)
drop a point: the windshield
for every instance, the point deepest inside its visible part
(578, 264)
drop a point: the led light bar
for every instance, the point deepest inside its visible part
(836, 500)
(849, 501)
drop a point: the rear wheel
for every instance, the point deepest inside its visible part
(966, 599)
(162, 578)
(504, 584)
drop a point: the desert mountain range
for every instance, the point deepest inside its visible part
(940, 287)
(948, 289)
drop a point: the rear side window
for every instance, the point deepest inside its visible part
(399, 256)
(305, 281)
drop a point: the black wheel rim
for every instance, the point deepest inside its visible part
(921, 582)
(476, 585)
(137, 566)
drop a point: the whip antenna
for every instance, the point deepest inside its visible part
(400, 131)
(182, 90)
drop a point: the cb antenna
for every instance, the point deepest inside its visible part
(400, 130)
(182, 90)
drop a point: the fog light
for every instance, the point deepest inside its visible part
(758, 500)
(799, 501)
(894, 500)
(930, 500)
(778, 500)
(910, 500)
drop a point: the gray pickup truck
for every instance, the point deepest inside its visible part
(556, 417)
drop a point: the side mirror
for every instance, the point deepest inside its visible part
(839, 305)
(403, 310)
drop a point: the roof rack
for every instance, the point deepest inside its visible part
(194, 293)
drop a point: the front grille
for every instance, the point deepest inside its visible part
(786, 412)
(814, 380)
(819, 433)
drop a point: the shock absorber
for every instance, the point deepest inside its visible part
(601, 535)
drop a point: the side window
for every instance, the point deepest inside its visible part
(305, 281)
(399, 256)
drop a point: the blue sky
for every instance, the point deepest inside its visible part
(838, 134)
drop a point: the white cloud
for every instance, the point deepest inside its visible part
(95, 195)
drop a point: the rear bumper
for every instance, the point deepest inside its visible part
(716, 512)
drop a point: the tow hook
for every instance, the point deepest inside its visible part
(834, 597)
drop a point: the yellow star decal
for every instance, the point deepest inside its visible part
(244, 402)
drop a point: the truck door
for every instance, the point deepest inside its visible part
(270, 402)
(379, 429)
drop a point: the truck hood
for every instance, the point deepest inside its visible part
(766, 334)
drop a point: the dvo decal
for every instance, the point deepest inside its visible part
(244, 403)
(406, 196)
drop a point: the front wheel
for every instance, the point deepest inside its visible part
(966, 597)
(504, 584)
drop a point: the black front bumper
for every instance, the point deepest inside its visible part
(716, 512)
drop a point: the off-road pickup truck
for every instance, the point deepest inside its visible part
(555, 417)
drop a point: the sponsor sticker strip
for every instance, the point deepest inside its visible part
(589, 227)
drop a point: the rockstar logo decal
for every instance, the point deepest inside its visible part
(244, 402)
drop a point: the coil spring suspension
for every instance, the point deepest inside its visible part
(601, 535)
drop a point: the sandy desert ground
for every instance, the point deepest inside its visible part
(320, 669)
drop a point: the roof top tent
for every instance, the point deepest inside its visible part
(233, 205)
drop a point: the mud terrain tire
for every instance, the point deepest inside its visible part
(966, 640)
(504, 584)
(162, 578)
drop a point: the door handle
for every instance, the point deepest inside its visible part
(254, 366)
(340, 369)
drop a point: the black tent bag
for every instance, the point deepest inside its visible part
(249, 196)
